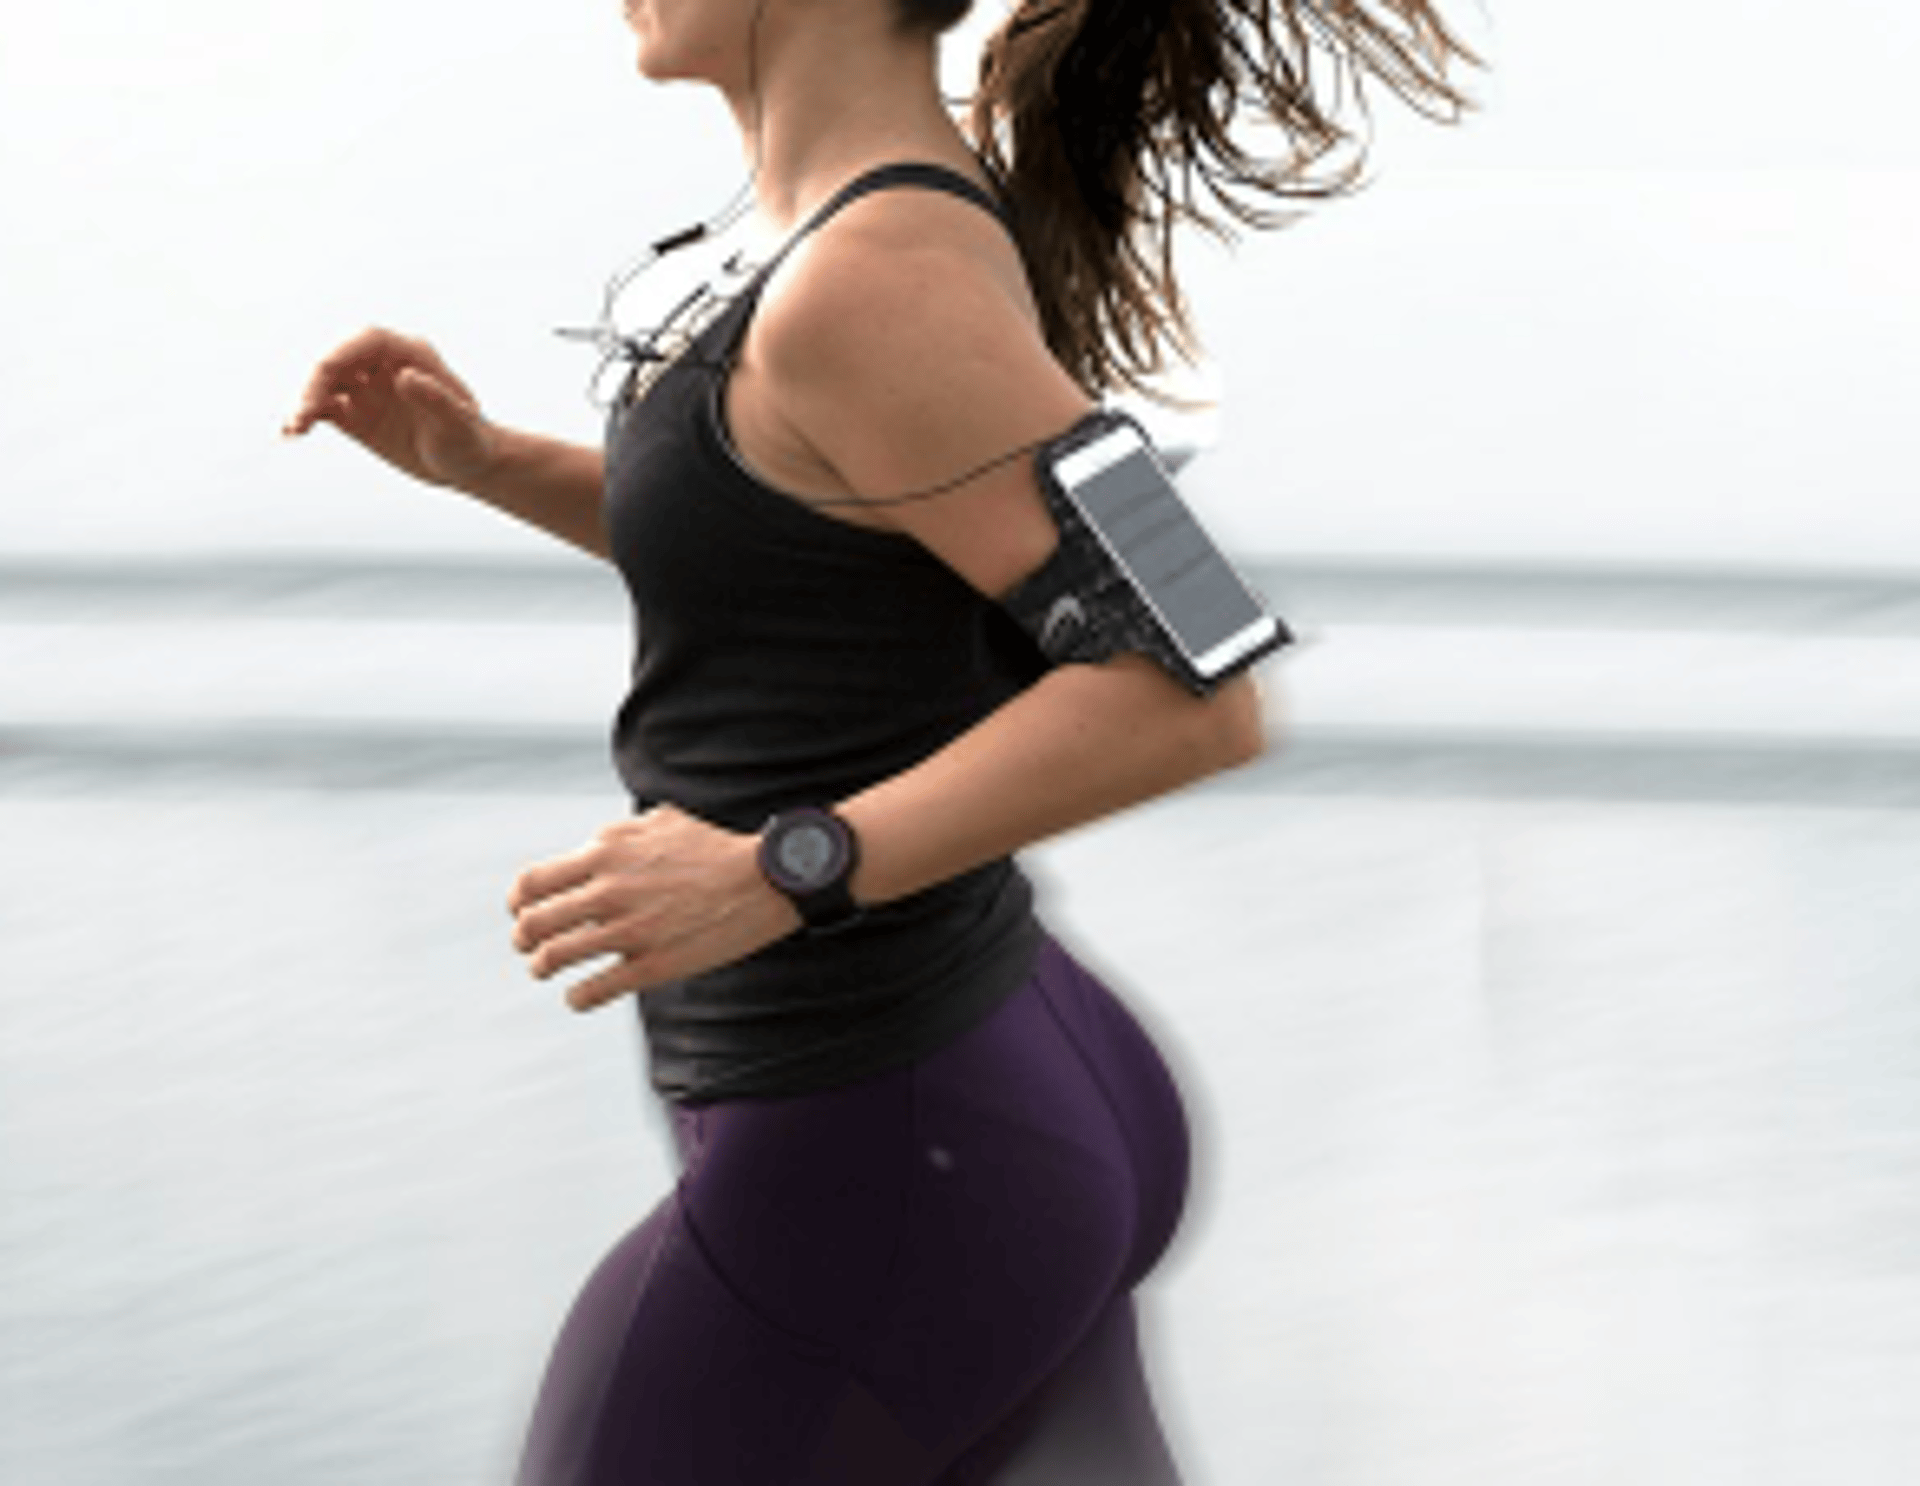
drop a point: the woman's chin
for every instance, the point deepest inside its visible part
(654, 63)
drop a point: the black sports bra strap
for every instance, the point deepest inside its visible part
(905, 173)
(732, 329)
(901, 173)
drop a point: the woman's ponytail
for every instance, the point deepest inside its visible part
(1103, 118)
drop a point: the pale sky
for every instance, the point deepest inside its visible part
(1655, 304)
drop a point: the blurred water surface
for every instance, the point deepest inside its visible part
(1558, 1094)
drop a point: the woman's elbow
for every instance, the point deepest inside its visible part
(1238, 724)
(1225, 730)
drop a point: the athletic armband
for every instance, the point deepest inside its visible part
(1134, 570)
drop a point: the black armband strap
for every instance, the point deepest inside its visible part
(1082, 605)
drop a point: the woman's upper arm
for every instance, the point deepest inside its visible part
(903, 366)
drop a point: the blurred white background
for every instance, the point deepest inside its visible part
(1547, 1005)
(1656, 302)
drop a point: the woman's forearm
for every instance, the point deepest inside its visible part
(670, 895)
(546, 483)
(1083, 742)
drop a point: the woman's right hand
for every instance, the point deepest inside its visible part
(395, 396)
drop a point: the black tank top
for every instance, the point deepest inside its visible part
(783, 657)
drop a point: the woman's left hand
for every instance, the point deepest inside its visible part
(666, 892)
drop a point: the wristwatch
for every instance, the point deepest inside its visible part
(809, 854)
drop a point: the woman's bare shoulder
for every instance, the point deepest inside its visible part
(903, 357)
(895, 264)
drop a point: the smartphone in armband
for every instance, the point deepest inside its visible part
(1114, 479)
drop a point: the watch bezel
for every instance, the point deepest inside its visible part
(824, 901)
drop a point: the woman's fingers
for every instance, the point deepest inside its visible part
(344, 370)
(373, 360)
(333, 406)
(355, 358)
(583, 941)
(422, 355)
(541, 881)
(610, 984)
(537, 923)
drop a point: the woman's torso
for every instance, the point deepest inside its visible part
(788, 656)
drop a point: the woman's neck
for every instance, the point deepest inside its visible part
(837, 93)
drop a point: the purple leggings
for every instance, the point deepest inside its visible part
(918, 1280)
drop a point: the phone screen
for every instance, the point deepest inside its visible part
(1134, 508)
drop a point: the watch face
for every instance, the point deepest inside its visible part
(806, 851)
(810, 855)
(806, 854)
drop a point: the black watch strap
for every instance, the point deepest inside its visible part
(809, 854)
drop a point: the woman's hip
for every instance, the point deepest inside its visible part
(1065, 1060)
(1051, 1131)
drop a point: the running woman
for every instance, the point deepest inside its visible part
(926, 1156)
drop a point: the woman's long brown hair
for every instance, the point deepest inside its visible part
(1110, 122)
